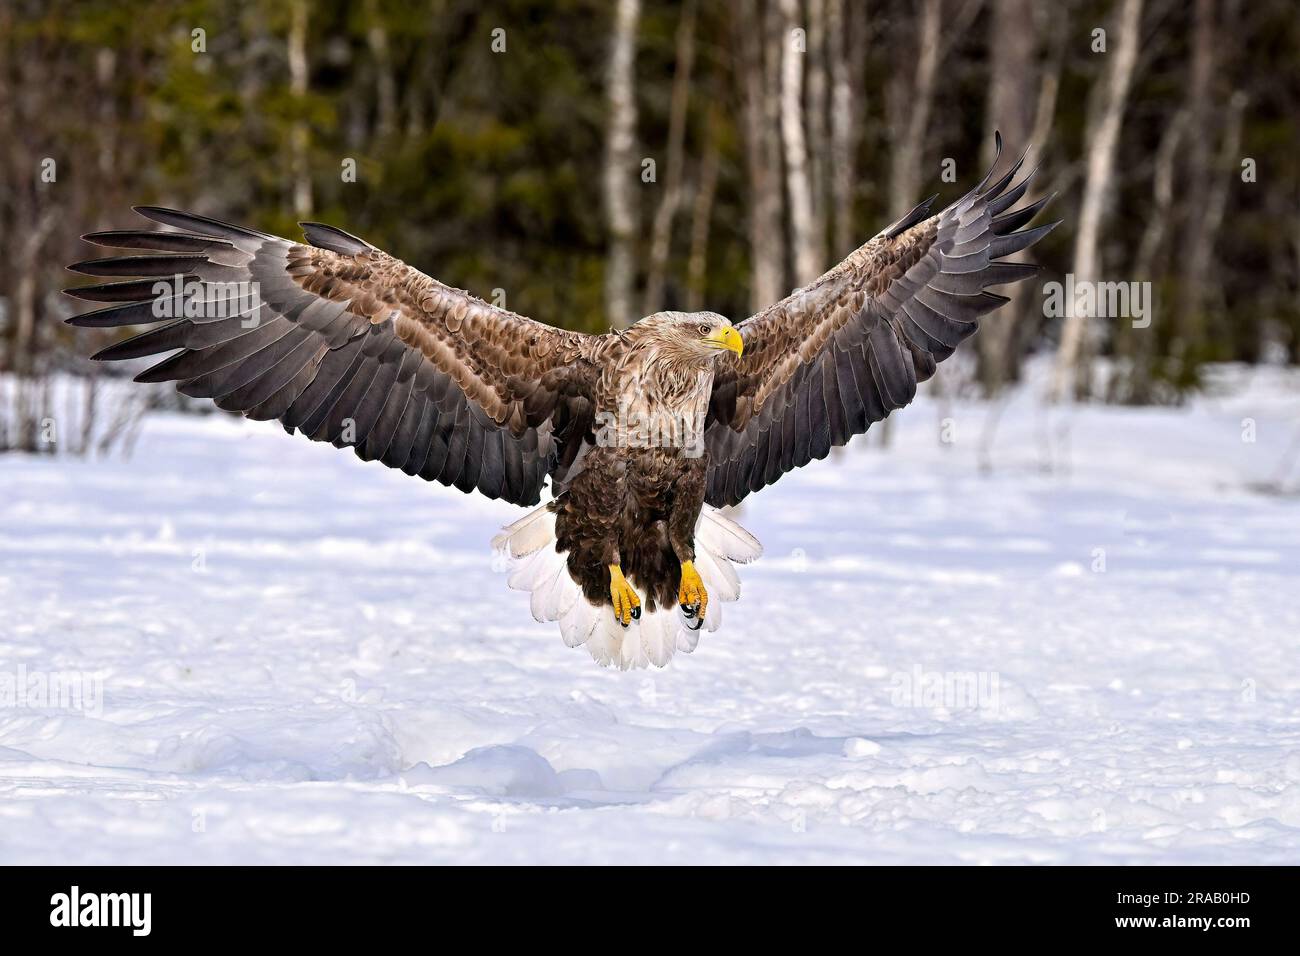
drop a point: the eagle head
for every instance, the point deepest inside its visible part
(689, 338)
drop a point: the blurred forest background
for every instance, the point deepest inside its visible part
(598, 161)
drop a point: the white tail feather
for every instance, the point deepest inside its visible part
(531, 532)
(535, 566)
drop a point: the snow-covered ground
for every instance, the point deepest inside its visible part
(1089, 654)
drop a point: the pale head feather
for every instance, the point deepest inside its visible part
(680, 338)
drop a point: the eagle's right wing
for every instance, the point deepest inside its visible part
(826, 362)
(343, 343)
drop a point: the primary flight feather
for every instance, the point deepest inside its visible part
(642, 434)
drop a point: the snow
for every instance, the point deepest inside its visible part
(1087, 654)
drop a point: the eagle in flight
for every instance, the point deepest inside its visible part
(643, 434)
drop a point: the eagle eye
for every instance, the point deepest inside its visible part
(704, 330)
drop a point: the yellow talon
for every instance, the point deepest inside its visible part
(627, 606)
(691, 594)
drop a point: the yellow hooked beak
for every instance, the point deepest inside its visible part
(727, 337)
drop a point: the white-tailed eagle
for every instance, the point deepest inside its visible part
(643, 435)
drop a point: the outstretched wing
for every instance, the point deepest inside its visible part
(343, 343)
(826, 362)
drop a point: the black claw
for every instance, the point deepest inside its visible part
(695, 625)
(690, 610)
(636, 613)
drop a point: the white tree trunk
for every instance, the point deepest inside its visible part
(1102, 135)
(759, 85)
(910, 120)
(706, 186)
(816, 84)
(844, 130)
(385, 84)
(662, 231)
(807, 257)
(621, 170)
(1013, 79)
(299, 142)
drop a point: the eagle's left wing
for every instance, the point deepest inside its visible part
(827, 361)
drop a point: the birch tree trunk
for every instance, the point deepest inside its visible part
(662, 230)
(706, 187)
(910, 104)
(621, 167)
(1013, 46)
(760, 120)
(299, 142)
(1057, 36)
(385, 84)
(808, 258)
(1102, 133)
(26, 267)
(911, 113)
(816, 73)
(845, 71)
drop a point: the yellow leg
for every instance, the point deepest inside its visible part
(691, 594)
(627, 606)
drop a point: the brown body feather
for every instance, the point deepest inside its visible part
(635, 508)
(637, 486)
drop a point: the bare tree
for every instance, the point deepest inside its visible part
(620, 166)
(911, 101)
(1013, 82)
(1105, 118)
(662, 230)
(844, 45)
(706, 186)
(808, 257)
(758, 89)
(816, 85)
(24, 302)
(385, 84)
(1195, 251)
(1217, 200)
(910, 104)
(299, 136)
(1134, 347)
